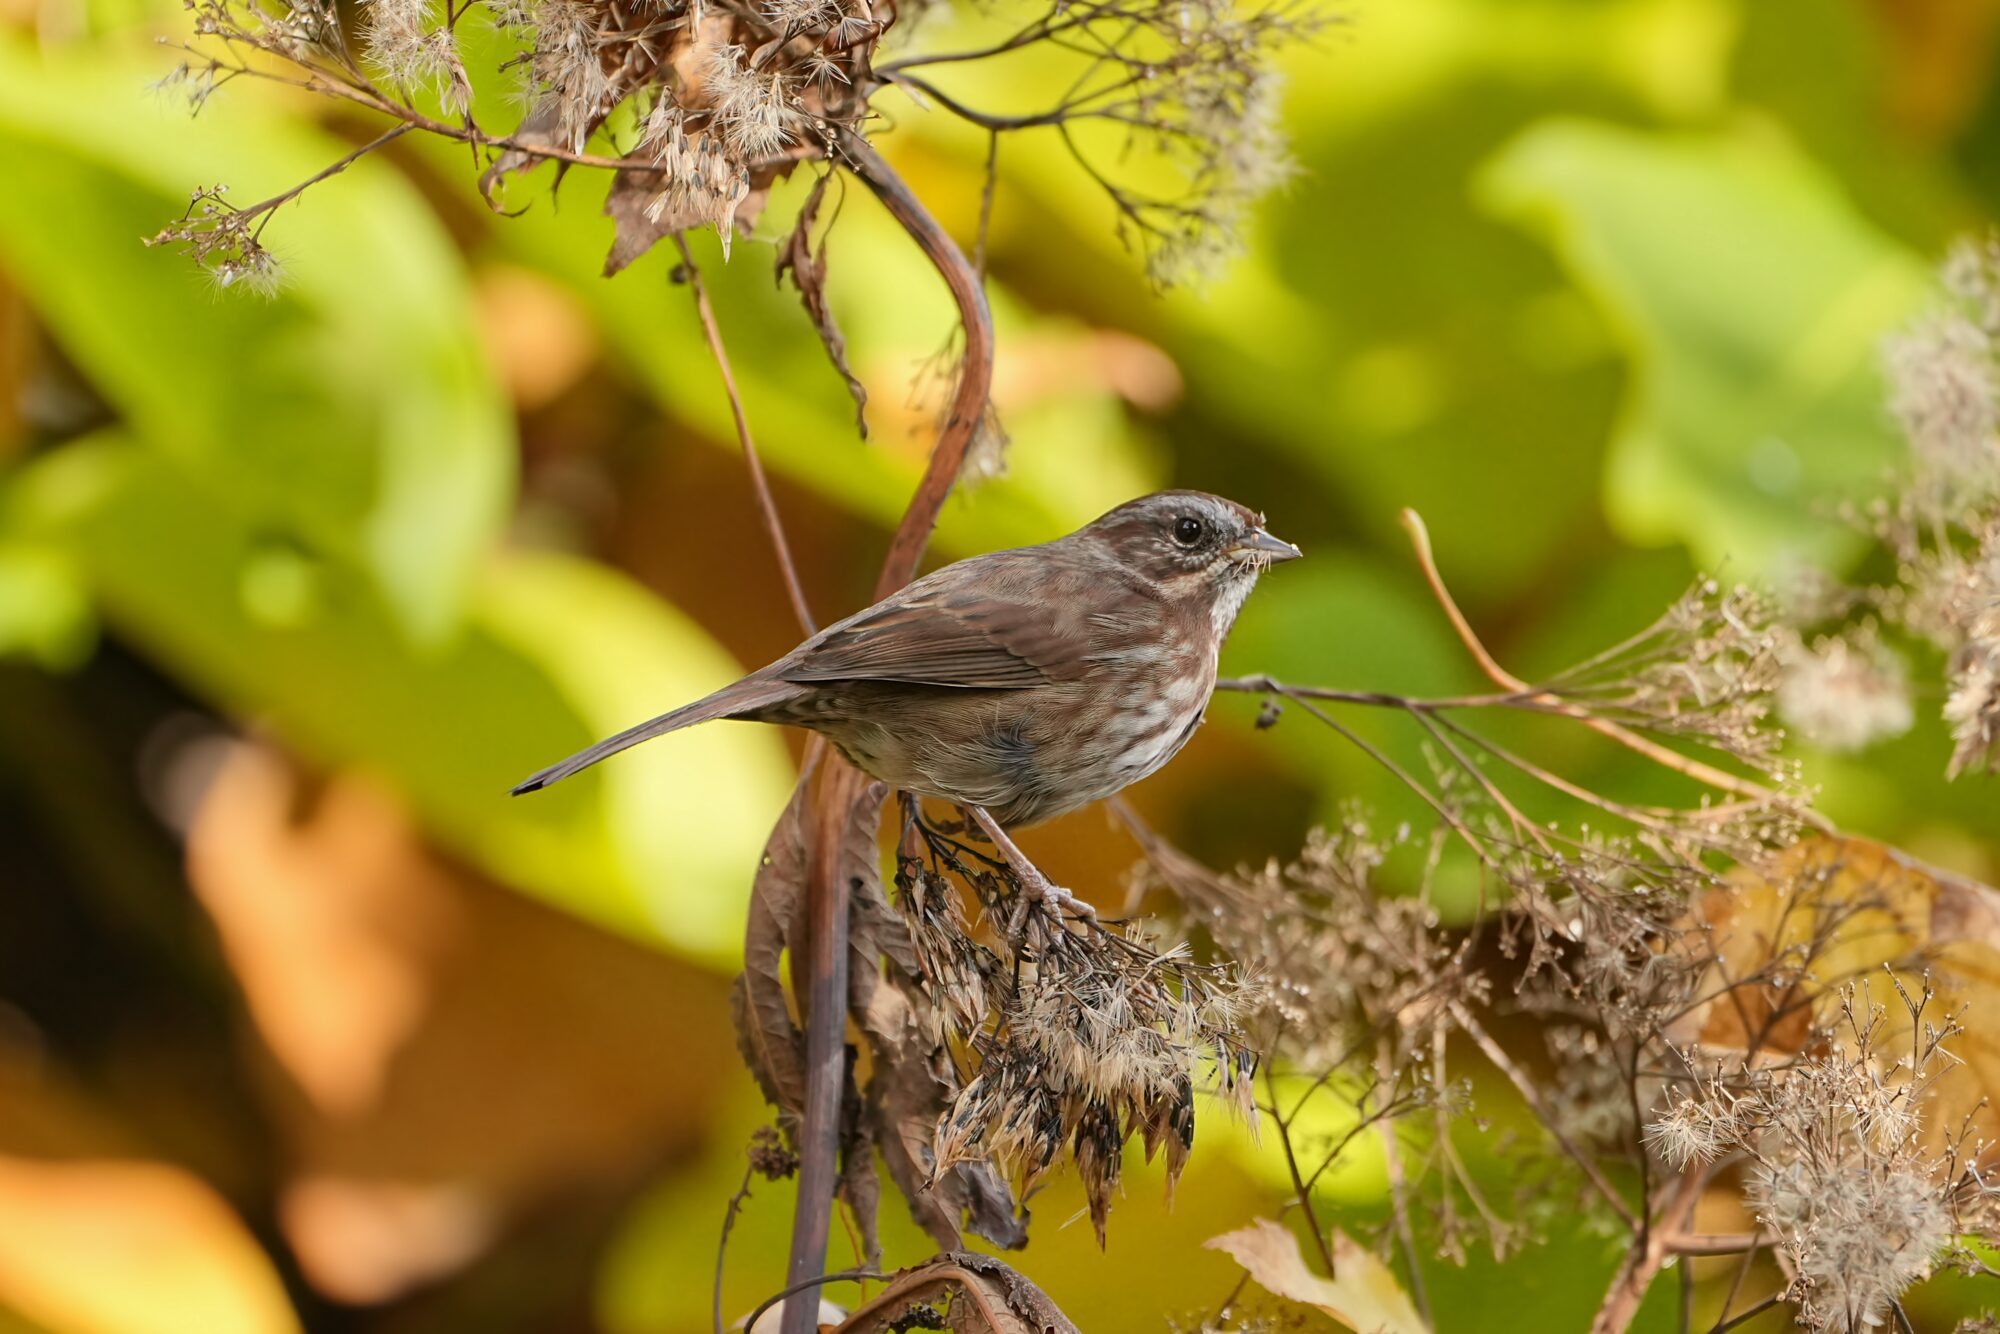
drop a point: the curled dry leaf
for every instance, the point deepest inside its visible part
(808, 273)
(1363, 1294)
(771, 1042)
(970, 1294)
(1832, 912)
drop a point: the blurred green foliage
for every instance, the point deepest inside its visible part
(1594, 284)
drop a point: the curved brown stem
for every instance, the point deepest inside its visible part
(842, 785)
(1650, 1251)
(1707, 774)
(975, 367)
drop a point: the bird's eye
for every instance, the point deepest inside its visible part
(1187, 530)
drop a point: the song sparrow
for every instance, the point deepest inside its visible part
(1020, 684)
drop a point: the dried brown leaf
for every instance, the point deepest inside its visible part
(807, 269)
(859, 1185)
(969, 1294)
(861, 865)
(635, 230)
(1363, 1294)
(771, 1042)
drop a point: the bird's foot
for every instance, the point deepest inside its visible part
(1037, 890)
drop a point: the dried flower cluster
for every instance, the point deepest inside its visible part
(1692, 965)
(697, 108)
(1942, 529)
(1074, 1035)
(1834, 1157)
(1945, 529)
(226, 242)
(1845, 692)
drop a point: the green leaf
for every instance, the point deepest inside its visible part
(353, 415)
(1750, 298)
(44, 609)
(555, 652)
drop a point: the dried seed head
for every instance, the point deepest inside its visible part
(1844, 693)
(1973, 709)
(414, 52)
(747, 107)
(1943, 390)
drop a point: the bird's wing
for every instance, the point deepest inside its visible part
(994, 628)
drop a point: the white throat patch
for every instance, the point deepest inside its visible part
(1225, 607)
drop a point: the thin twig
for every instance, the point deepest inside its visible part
(1746, 1315)
(988, 185)
(278, 200)
(1392, 1157)
(824, 1001)
(1649, 1252)
(767, 507)
(1299, 1186)
(1532, 1096)
(722, 1246)
(816, 1281)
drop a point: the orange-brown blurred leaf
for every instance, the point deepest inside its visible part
(330, 924)
(130, 1247)
(445, 1054)
(537, 333)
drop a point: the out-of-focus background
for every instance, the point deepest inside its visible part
(304, 1024)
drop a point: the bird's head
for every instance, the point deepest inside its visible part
(1193, 546)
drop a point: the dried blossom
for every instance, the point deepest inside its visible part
(413, 52)
(1246, 157)
(1186, 90)
(1943, 385)
(770, 1157)
(1973, 709)
(747, 108)
(225, 242)
(1101, 1035)
(1971, 277)
(1845, 693)
(1837, 1170)
(1944, 529)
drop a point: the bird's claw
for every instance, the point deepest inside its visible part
(1039, 890)
(1059, 901)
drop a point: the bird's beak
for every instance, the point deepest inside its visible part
(1260, 546)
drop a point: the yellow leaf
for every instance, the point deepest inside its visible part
(111, 1247)
(1363, 1295)
(1836, 912)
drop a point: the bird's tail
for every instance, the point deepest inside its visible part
(742, 699)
